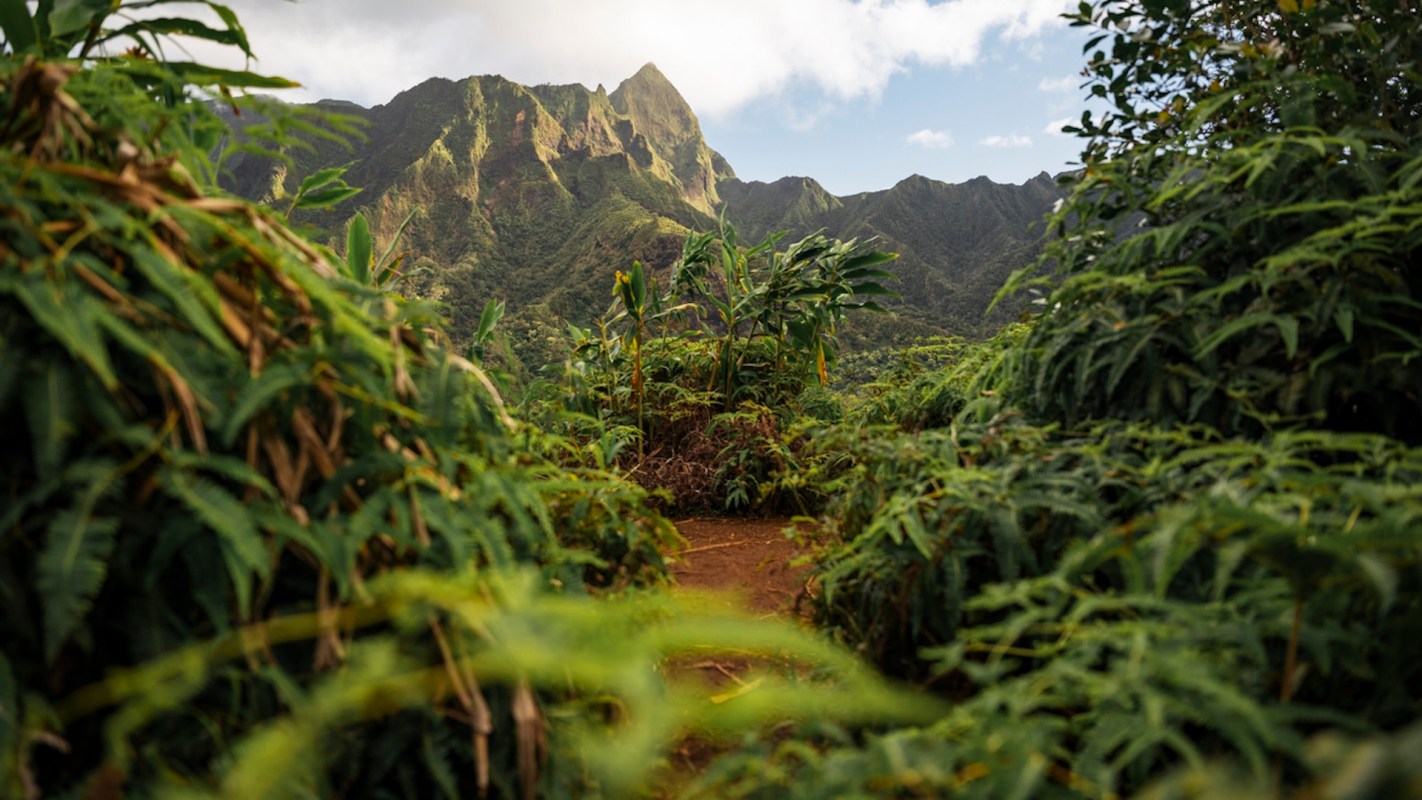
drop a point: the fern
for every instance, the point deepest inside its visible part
(243, 547)
(258, 394)
(49, 410)
(69, 317)
(72, 564)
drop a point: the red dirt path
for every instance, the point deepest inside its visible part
(750, 558)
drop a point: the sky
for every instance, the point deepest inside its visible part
(858, 94)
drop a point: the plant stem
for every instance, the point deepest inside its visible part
(1291, 657)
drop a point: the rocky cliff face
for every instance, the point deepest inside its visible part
(655, 109)
(525, 193)
(536, 194)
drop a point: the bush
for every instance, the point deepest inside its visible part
(1239, 249)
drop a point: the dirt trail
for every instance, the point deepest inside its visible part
(750, 558)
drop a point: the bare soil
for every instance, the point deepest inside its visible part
(747, 557)
(754, 561)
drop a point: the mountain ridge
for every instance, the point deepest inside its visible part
(537, 194)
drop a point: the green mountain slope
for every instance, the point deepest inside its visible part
(535, 195)
(957, 242)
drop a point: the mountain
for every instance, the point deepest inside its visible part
(536, 194)
(957, 242)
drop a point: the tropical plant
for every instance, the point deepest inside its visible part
(431, 646)
(795, 300)
(1239, 248)
(774, 336)
(484, 334)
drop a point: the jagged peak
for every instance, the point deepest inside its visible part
(650, 95)
(647, 76)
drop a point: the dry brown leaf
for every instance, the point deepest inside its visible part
(422, 531)
(284, 471)
(529, 733)
(466, 688)
(311, 442)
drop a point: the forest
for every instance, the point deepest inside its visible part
(272, 528)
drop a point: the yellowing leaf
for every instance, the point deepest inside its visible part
(737, 692)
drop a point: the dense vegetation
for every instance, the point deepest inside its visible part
(265, 534)
(1174, 520)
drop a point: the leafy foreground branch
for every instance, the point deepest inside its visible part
(605, 711)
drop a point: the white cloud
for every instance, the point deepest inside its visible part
(721, 54)
(1054, 127)
(1011, 140)
(800, 119)
(937, 140)
(1059, 85)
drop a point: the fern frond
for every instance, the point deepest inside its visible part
(243, 546)
(73, 562)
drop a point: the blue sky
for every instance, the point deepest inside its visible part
(858, 94)
(1000, 118)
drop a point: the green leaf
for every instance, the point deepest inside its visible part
(72, 567)
(192, 294)
(323, 178)
(49, 413)
(326, 198)
(1289, 332)
(358, 250)
(204, 75)
(488, 319)
(258, 393)
(868, 261)
(395, 240)
(1382, 577)
(18, 25)
(74, 559)
(1343, 317)
(244, 548)
(874, 290)
(69, 318)
(1232, 328)
(69, 16)
(235, 32)
(170, 27)
(229, 17)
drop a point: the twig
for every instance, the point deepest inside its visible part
(740, 543)
(706, 547)
(721, 669)
(1291, 657)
